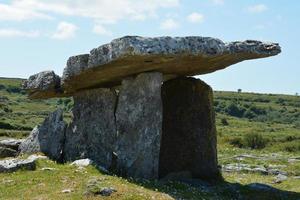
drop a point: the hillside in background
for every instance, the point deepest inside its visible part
(259, 131)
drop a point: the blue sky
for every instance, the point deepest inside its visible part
(40, 35)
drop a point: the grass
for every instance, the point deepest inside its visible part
(41, 184)
(282, 136)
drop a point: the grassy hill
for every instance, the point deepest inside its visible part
(264, 127)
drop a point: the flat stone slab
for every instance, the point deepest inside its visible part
(12, 165)
(108, 64)
(11, 143)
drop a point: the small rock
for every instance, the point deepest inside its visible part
(296, 177)
(276, 172)
(107, 191)
(48, 169)
(280, 178)
(82, 162)
(66, 191)
(11, 165)
(292, 160)
(36, 157)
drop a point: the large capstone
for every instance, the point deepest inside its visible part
(139, 125)
(47, 138)
(188, 143)
(92, 133)
(109, 64)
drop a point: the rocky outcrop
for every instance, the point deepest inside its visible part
(92, 133)
(47, 138)
(43, 85)
(139, 126)
(11, 143)
(189, 132)
(14, 164)
(108, 64)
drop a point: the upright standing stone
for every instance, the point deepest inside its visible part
(47, 138)
(139, 124)
(92, 133)
(189, 133)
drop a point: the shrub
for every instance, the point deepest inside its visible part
(235, 110)
(249, 114)
(254, 141)
(4, 125)
(291, 146)
(2, 87)
(15, 89)
(224, 122)
(237, 142)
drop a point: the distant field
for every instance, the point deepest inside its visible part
(258, 125)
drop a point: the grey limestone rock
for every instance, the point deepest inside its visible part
(92, 133)
(11, 143)
(189, 131)
(139, 125)
(108, 64)
(47, 138)
(75, 66)
(43, 85)
(11, 165)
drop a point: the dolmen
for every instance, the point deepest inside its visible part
(138, 111)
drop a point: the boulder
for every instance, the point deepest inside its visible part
(109, 64)
(7, 152)
(189, 131)
(43, 85)
(139, 126)
(92, 133)
(12, 165)
(11, 143)
(47, 138)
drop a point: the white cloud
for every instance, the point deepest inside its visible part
(195, 17)
(101, 30)
(259, 8)
(16, 13)
(65, 31)
(18, 33)
(105, 10)
(218, 2)
(169, 24)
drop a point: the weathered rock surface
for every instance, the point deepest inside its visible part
(82, 162)
(75, 66)
(42, 85)
(189, 133)
(92, 133)
(11, 143)
(108, 64)
(12, 165)
(139, 125)
(7, 152)
(47, 138)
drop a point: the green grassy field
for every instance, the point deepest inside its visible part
(257, 130)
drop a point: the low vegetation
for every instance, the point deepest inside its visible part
(265, 127)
